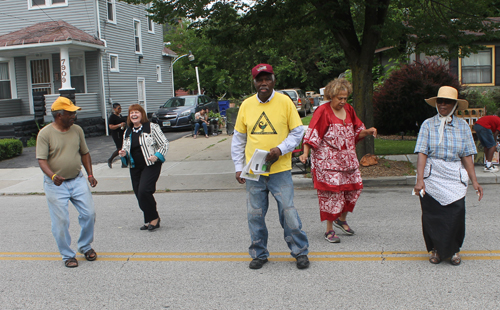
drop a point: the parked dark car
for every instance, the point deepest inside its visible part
(302, 103)
(177, 112)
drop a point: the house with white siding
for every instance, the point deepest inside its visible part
(96, 52)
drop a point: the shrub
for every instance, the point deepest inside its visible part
(399, 104)
(10, 148)
(489, 99)
(31, 142)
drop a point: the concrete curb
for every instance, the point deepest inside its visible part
(191, 165)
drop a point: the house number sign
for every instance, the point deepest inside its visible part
(64, 73)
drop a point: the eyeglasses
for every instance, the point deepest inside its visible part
(445, 101)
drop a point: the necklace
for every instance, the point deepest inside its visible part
(137, 130)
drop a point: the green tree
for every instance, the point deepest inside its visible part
(434, 27)
(299, 59)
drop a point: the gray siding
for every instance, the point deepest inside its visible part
(92, 72)
(91, 67)
(85, 101)
(122, 86)
(79, 13)
(119, 86)
(22, 84)
(10, 107)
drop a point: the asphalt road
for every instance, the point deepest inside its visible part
(101, 148)
(198, 258)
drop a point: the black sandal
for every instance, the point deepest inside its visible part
(71, 263)
(90, 255)
(434, 259)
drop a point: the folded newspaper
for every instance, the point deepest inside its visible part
(257, 166)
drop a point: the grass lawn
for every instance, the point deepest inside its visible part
(306, 120)
(384, 147)
(394, 147)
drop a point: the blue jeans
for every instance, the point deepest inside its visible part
(78, 192)
(281, 187)
(485, 135)
(197, 127)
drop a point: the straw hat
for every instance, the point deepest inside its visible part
(448, 92)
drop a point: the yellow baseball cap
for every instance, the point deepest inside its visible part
(63, 103)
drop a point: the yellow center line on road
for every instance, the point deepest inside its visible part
(241, 256)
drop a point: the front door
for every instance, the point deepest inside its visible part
(40, 76)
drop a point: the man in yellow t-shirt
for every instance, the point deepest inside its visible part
(269, 121)
(61, 150)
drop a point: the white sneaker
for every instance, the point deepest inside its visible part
(490, 169)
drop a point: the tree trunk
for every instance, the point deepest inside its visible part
(363, 103)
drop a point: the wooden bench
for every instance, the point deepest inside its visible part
(471, 116)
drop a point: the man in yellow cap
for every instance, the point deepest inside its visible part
(60, 150)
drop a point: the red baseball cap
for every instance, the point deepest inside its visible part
(258, 69)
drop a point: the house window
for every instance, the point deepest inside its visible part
(158, 73)
(137, 36)
(151, 25)
(111, 6)
(141, 91)
(478, 68)
(77, 69)
(4, 81)
(35, 4)
(113, 63)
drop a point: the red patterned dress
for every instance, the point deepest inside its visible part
(334, 165)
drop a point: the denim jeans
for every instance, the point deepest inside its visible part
(485, 135)
(281, 187)
(197, 127)
(78, 192)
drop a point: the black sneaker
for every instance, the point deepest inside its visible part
(302, 262)
(257, 263)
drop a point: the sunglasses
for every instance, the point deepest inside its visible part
(445, 101)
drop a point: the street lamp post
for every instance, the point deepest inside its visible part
(190, 57)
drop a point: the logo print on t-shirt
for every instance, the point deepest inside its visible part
(263, 126)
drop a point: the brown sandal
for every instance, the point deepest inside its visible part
(71, 263)
(434, 259)
(90, 255)
(455, 260)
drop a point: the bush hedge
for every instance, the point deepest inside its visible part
(484, 98)
(10, 148)
(399, 104)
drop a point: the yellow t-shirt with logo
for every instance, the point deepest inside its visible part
(267, 125)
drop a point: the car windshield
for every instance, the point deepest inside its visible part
(291, 94)
(180, 102)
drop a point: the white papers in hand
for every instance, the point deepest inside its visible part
(256, 166)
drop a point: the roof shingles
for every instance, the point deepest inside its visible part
(54, 31)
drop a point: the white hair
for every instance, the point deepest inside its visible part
(54, 113)
(271, 75)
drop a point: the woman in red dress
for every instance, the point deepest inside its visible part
(332, 135)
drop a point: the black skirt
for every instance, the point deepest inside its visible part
(443, 226)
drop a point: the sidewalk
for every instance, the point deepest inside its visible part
(191, 165)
